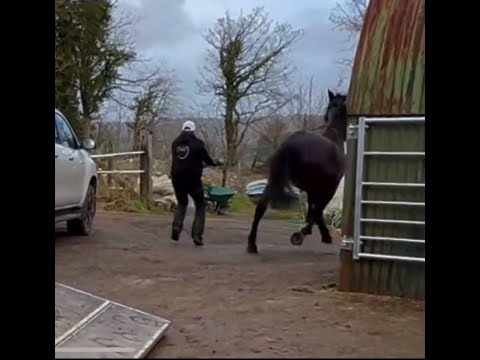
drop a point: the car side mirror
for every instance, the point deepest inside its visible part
(87, 144)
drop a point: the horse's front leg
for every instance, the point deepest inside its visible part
(260, 210)
(298, 237)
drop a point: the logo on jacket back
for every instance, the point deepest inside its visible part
(183, 151)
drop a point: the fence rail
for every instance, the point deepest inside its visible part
(128, 153)
(109, 172)
(144, 171)
(116, 155)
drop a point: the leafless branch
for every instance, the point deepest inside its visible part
(156, 101)
(348, 15)
(246, 69)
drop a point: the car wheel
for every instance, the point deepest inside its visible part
(83, 225)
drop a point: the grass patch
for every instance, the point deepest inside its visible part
(141, 206)
(287, 214)
(124, 199)
(138, 206)
(241, 204)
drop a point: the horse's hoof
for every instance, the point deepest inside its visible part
(297, 238)
(252, 249)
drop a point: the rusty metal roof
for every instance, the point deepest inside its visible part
(388, 76)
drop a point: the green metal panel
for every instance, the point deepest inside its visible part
(386, 277)
(388, 77)
(394, 277)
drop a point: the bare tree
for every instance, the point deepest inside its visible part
(154, 103)
(210, 126)
(212, 130)
(246, 71)
(164, 135)
(109, 130)
(347, 16)
(304, 111)
(270, 133)
(305, 106)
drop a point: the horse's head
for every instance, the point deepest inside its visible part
(336, 114)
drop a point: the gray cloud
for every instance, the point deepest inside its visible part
(160, 23)
(170, 30)
(321, 48)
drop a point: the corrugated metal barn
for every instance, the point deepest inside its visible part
(384, 198)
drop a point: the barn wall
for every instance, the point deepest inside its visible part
(388, 76)
(388, 80)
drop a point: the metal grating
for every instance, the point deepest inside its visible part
(87, 326)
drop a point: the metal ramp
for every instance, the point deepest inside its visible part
(90, 327)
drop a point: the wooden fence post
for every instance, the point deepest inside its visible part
(110, 165)
(345, 276)
(146, 165)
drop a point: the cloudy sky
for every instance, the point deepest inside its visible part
(169, 31)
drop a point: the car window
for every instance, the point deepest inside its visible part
(64, 135)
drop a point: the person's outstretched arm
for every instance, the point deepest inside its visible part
(206, 158)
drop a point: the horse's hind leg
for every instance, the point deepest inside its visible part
(298, 237)
(260, 210)
(307, 229)
(326, 237)
(321, 203)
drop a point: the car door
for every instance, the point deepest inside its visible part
(62, 171)
(68, 166)
(59, 179)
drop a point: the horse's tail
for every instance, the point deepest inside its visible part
(279, 179)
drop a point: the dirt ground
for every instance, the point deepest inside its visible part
(224, 302)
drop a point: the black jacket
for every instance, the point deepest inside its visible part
(188, 156)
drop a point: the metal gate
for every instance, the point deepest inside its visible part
(396, 194)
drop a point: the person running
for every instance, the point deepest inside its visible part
(188, 157)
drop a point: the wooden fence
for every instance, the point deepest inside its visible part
(145, 168)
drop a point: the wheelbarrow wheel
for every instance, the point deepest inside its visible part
(221, 208)
(210, 206)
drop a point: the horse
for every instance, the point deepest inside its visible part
(314, 164)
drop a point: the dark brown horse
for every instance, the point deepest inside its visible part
(313, 163)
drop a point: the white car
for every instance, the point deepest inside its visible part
(76, 179)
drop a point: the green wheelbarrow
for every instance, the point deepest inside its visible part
(218, 198)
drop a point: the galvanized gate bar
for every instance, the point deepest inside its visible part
(400, 203)
(394, 153)
(387, 238)
(391, 120)
(358, 237)
(392, 184)
(391, 257)
(358, 188)
(392, 221)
